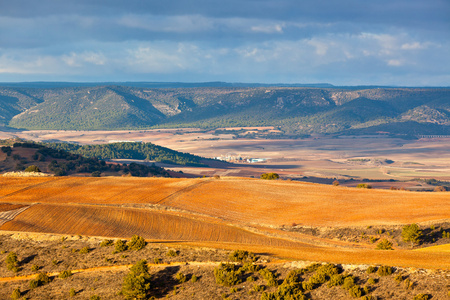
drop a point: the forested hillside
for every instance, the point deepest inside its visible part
(130, 150)
(32, 157)
(294, 110)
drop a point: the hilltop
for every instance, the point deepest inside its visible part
(36, 158)
(292, 110)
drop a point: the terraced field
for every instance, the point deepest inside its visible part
(226, 213)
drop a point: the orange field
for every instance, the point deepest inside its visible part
(227, 212)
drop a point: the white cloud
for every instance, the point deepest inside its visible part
(277, 28)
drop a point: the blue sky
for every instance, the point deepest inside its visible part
(346, 42)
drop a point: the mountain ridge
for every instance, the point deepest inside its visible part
(293, 110)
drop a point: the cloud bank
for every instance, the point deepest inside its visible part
(347, 42)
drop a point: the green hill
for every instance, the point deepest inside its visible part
(294, 110)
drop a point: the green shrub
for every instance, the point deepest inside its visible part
(408, 284)
(136, 243)
(336, 280)
(270, 176)
(384, 244)
(171, 253)
(85, 250)
(16, 294)
(421, 297)
(106, 243)
(12, 263)
(34, 268)
(136, 284)
(412, 233)
(368, 297)
(371, 269)
(194, 278)
(40, 280)
(355, 291)
(384, 271)
(257, 288)
(250, 267)
(180, 277)
(371, 281)
(328, 270)
(349, 282)
(241, 256)
(120, 246)
(285, 291)
(95, 297)
(398, 278)
(269, 276)
(72, 292)
(227, 275)
(65, 274)
(364, 186)
(32, 168)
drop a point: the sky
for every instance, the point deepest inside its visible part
(345, 42)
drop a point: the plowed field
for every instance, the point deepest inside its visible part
(227, 212)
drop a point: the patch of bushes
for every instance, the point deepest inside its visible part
(40, 280)
(269, 276)
(385, 271)
(171, 253)
(285, 291)
(242, 256)
(371, 269)
(106, 243)
(355, 291)
(228, 274)
(384, 244)
(336, 280)
(364, 186)
(421, 297)
(269, 176)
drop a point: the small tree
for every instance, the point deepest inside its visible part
(12, 263)
(16, 294)
(136, 243)
(411, 233)
(136, 285)
(384, 244)
(120, 246)
(336, 183)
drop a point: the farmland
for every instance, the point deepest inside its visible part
(262, 216)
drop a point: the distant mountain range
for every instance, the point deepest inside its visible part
(295, 110)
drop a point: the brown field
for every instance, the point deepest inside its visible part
(230, 213)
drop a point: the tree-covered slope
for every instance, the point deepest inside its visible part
(294, 110)
(129, 150)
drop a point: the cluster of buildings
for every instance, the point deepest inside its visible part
(240, 159)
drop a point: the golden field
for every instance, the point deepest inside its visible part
(231, 213)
